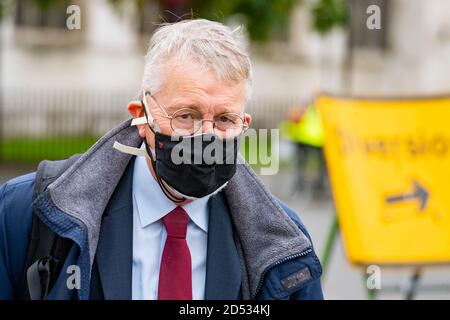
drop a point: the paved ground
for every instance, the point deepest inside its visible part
(341, 281)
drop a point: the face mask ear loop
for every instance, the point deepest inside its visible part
(150, 153)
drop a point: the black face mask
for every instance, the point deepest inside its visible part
(194, 166)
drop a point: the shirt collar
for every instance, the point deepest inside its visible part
(152, 203)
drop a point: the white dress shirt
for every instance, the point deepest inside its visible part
(149, 235)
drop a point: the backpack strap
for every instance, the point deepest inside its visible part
(47, 251)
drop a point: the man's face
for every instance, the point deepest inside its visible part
(187, 86)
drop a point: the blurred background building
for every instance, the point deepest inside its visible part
(296, 52)
(61, 89)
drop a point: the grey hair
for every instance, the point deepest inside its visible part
(210, 44)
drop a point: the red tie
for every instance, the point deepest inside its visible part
(175, 274)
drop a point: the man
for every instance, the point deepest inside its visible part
(157, 224)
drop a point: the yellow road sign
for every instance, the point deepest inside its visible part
(389, 165)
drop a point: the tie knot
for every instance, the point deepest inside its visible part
(176, 222)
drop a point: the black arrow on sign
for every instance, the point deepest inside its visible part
(419, 193)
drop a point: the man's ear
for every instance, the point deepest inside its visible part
(248, 119)
(136, 110)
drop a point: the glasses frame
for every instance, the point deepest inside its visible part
(245, 125)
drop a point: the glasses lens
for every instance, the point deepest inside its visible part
(229, 122)
(186, 121)
(189, 121)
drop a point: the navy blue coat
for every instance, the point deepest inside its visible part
(113, 280)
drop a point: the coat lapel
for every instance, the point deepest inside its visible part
(115, 247)
(223, 267)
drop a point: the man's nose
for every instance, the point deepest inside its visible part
(207, 126)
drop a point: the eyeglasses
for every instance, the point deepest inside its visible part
(187, 121)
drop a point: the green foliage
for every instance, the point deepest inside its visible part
(264, 18)
(330, 13)
(43, 5)
(4, 8)
(46, 4)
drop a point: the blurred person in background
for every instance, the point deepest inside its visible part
(304, 128)
(126, 220)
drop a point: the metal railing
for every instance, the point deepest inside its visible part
(50, 123)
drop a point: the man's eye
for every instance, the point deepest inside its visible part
(225, 119)
(187, 115)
